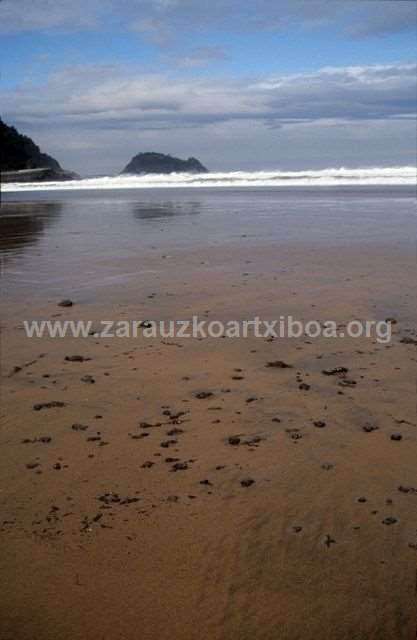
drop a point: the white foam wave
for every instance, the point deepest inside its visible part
(375, 176)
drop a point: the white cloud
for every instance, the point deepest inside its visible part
(104, 96)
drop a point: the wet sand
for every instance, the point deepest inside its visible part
(138, 509)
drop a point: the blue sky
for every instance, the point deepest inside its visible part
(261, 84)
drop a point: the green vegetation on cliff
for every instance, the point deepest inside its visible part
(20, 152)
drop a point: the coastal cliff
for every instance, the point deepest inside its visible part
(21, 160)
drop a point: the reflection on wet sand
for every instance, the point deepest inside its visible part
(23, 224)
(89, 240)
(168, 209)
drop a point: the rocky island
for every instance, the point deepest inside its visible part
(152, 162)
(22, 161)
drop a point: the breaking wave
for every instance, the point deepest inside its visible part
(321, 178)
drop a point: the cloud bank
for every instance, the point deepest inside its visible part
(109, 97)
(94, 108)
(94, 117)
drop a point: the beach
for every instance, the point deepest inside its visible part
(190, 488)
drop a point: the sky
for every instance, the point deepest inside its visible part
(239, 84)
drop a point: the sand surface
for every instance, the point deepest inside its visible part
(102, 538)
